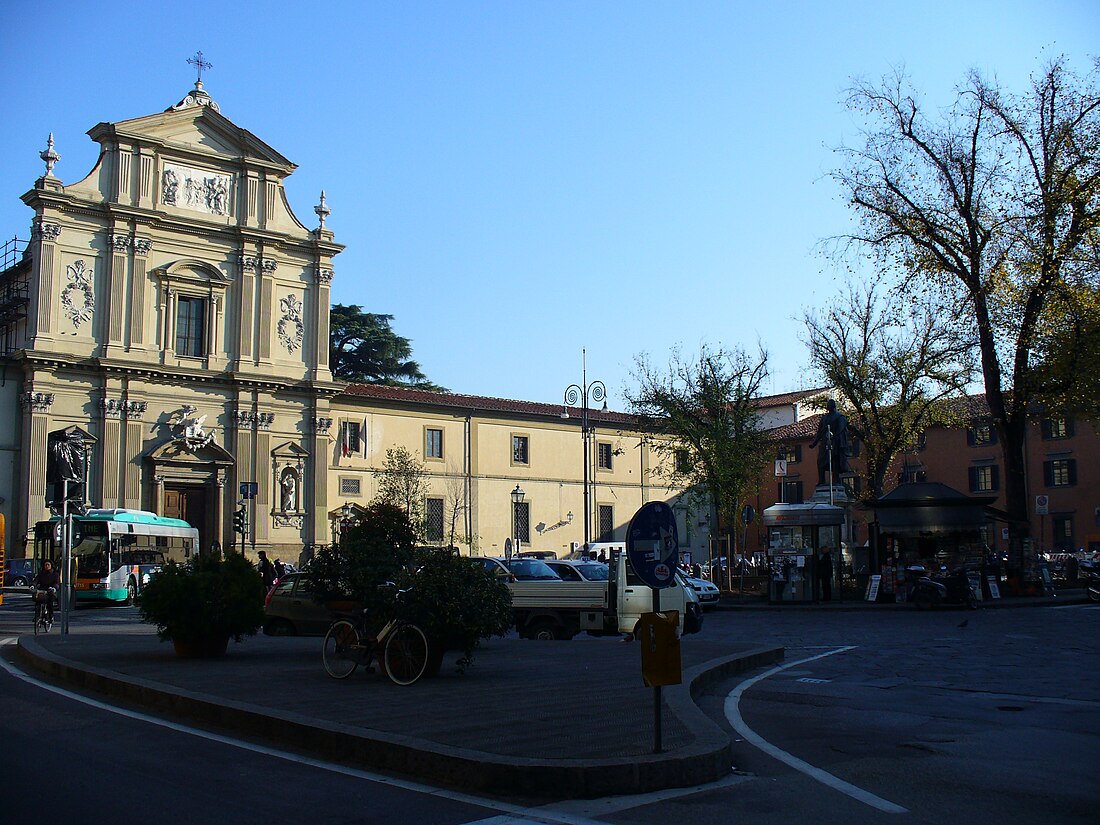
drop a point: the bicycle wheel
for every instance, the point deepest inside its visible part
(340, 650)
(406, 654)
(37, 617)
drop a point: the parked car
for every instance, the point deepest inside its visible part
(578, 571)
(20, 572)
(524, 570)
(707, 593)
(291, 610)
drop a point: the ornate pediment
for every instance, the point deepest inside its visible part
(178, 451)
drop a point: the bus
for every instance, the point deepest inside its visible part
(116, 551)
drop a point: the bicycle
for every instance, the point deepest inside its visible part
(400, 648)
(43, 611)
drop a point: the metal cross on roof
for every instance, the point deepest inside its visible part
(200, 63)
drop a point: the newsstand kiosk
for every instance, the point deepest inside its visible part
(796, 533)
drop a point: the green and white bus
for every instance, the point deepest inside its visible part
(115, 551)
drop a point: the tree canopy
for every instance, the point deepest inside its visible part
(364, 348)
(893, 362)
(707, 408)
(992, 206)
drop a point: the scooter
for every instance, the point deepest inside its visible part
(929, 591)
(1091, 576)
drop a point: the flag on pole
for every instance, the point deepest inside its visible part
(346, 446)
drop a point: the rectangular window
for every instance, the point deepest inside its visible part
(790, 492)
(790, 454)
(433, 519)
(351, 438)
(1063, 533)
(603, 455)
(605, 518)
(1057, 428)
(349, 486)
(981, 435)
(521, 521)
(984, 478)
(520, 453)
(1060, 472)
(683, 461)
(190, 318)
(433, 443)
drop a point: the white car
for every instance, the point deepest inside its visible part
(705, 591)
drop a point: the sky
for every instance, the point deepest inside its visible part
(518, 182)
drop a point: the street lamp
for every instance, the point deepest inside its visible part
(585, 392)
(517, 500)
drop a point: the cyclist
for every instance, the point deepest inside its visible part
(45, 586)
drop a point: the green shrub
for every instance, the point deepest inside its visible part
(455, 601)
(371, 553)
(205, 598)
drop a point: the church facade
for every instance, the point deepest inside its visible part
(173, 306)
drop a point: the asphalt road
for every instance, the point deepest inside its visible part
(996, 720)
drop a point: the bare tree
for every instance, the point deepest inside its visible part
(893, 362)
(995, 204)
(456, 504)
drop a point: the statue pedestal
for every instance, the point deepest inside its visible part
(839, 495)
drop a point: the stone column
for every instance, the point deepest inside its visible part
(111, 455)
(317, 525)
(118, 246)
(245, 312)
(138, 288)
(133, 412)
(32, 470)
(44, 235)
(322, 295)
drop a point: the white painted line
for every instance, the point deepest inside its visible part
(733, 714)
(515, 813)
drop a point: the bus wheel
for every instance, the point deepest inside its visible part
(131, 591)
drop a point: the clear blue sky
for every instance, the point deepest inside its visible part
(516, 181)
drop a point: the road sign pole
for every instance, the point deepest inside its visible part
(657, 689)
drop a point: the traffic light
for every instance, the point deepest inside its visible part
(240, 521)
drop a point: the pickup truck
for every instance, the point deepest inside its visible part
(546, 607)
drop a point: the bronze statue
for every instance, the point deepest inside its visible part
(832, 435)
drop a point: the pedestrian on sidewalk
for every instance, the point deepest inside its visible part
(267, 571)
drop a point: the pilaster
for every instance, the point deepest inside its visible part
(318, 525)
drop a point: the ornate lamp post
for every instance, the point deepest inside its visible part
(583, 393)
(517, 500)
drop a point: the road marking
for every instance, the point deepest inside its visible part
(733, 715)
(514, 813)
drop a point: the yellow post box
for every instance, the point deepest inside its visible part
(660, 648)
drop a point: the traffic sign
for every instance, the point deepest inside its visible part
(748, 514)
(1042, 505)
(781, 466)
(653, 545)
(249, 489)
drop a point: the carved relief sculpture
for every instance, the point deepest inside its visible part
(196, 190)
(291, 330)
(77, 298)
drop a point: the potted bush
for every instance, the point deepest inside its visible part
(347, 575)
(201, 604)
(456, 602)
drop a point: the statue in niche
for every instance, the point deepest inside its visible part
(289, 486)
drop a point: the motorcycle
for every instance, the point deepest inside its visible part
(930, 591)
(1090, 575)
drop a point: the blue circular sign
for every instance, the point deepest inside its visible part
(652, 544)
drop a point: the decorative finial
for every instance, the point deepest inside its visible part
(200, 63)
(49, 156)
(322, 210)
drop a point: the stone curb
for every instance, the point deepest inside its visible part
(707, 759)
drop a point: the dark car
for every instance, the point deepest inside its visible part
(20, 572)
(291, 610)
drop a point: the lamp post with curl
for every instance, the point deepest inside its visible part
(585, 392)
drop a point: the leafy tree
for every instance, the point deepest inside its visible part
(364, 348)
(893, 362)
(1068, 351)
(402, 483)
(706, 407)
(372, 552)
(994, 206)
(456, 601)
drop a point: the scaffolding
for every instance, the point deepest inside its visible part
(14, 293)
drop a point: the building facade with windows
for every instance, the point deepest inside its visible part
(172, 305)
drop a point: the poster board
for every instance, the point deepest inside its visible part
(994, 590)
(872, 588)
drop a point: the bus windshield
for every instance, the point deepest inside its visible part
(92, 560)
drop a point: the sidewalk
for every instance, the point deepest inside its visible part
(532, 719)
(528, 719)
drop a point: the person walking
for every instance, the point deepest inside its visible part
(825, 574)
(267, 571)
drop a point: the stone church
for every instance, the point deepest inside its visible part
(174, 307)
